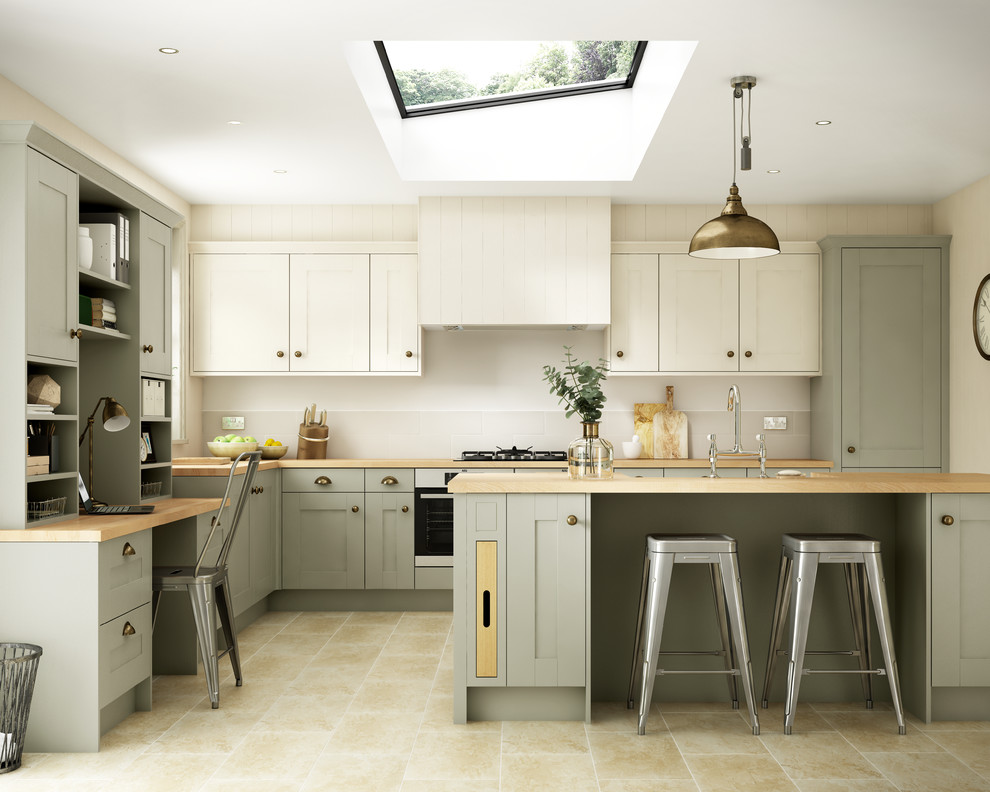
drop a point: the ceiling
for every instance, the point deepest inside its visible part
(903, 82)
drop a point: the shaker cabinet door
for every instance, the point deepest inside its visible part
(634, 336)
(394, 325)
(155, 281)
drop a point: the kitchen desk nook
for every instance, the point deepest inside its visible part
(547, 572)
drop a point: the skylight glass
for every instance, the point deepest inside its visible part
(428, 77)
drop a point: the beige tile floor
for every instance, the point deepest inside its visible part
(362, 701)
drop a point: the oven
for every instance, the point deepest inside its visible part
(434, 516)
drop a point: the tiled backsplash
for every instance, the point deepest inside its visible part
(376, 434)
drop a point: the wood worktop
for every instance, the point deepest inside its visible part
(850, 483)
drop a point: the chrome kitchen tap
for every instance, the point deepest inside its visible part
(735, 407)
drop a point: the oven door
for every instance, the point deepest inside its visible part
(434, 533)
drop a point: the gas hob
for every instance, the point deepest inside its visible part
(513, 455)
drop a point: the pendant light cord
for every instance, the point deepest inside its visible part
(734, 92)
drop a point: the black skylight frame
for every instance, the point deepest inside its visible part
(503, 99)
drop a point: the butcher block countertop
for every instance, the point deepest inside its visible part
(217, 466)
(103, 527)
(850, 483)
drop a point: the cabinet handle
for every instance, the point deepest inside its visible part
(571, 519)
(355, 509)
(730, 353)
(390, 480)
(947, 520)
(851, 449)
(280, 353)
(128, 549)
(323, 481)
(297, 353)
(748, 353)
(408, 353)
(128, 629)
(147, 348)
(75, 333)
(405, 509)
(260, 490)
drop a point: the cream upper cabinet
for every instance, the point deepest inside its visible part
(699, 314)
(780, 313)
(240, 313)
(394, 324)
(634, 335)
(328, 317)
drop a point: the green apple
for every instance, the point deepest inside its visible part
(219, 439)
(237, 439)
(229, 438)
(249, 439)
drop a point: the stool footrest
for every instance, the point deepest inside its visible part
(843, 652)
(878, 672)
(713, 652)
(729, 671)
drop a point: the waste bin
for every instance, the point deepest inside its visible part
(18, 670)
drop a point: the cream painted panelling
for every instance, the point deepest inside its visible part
(791, 223)
(962, 216)
(322, 223)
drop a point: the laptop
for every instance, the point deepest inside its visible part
(91, 509)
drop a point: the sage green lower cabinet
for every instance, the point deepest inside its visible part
(389, 549)
(960, 591)
(322, 540)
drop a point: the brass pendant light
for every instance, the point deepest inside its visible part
(734, 234)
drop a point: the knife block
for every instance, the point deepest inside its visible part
(312, 441)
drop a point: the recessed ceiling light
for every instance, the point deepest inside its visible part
(168, 50)
(773, 170)
(234, 123)
(823, 122)
(280, 171)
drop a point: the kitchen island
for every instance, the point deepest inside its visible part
(547, 575)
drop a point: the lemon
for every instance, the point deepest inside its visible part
(269, 442)
(277, 442)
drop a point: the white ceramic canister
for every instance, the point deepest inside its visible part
(85, 248)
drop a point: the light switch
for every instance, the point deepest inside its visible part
(232, 422)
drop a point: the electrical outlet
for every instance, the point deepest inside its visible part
(778, 422)
(232, 422)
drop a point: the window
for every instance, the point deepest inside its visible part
(430, 77)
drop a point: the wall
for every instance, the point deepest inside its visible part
(962, 216)
(484, 389)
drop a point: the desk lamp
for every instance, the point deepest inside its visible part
(114, 419)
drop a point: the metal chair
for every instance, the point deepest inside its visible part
(207, 586)
(663, 551)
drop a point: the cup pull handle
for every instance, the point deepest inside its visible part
(129, 549)
(323, 481)
(390, 480)
(128, 629)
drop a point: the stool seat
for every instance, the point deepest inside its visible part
(663, 551)
(830, 543)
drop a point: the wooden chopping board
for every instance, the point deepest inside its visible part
(643, 416)
(670, 431)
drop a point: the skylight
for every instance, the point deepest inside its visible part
(430, 77)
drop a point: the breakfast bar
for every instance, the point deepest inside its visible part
(547, 575)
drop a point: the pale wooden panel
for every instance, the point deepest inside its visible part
(619, 223)
(797, 223)
(534, 295)
(302, 223)
(919, 220)
(556, 260)
(513, 268)
(897, 219)
(677, 226)
(858, 219)
(472, 260)
(450, 261)
(656, 222)
(241, 223)
(429, 261)
(487, 622)
(636, 223)
(694, 217)
(838, 219)
(404, 228)
(577, 257)
(598, 287)
(221, 223)
(362, 223)
(817, 222)
(322, 223)
(776, 218)
(343, 222)
(261, 223)
(201, 224)
(876, 220)
(493, 265)
(381, 223)
(281, 223)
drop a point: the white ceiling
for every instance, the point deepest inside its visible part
(904, 83)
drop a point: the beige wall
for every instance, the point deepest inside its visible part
(962, 216)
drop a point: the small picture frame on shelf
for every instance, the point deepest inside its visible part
(146, 440)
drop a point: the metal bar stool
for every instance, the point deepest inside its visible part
(719, 552)
(860, 556)
(208, 589)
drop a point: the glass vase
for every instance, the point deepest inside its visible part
(590, 456)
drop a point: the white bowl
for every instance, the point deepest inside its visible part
(230, 450)
(631, 450)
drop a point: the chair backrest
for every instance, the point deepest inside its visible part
(252, 458)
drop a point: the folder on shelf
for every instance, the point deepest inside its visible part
(104, 237)
(122, 239)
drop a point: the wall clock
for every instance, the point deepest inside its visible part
(981, 318)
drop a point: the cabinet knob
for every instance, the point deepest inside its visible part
(748, 353)
(75, 333)
(147, 348)
(619, 353)
(408, 353)
(280, 353)
(297, 353)
(323, 481)
(730, 353)
(947, 520)
(390, 480)
(571, 519)
(128, 629)
(405, 509)
(355, 509)
(851, 449)
(128, 549)
(260, 490)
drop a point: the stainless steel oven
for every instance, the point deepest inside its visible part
(434, 510)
